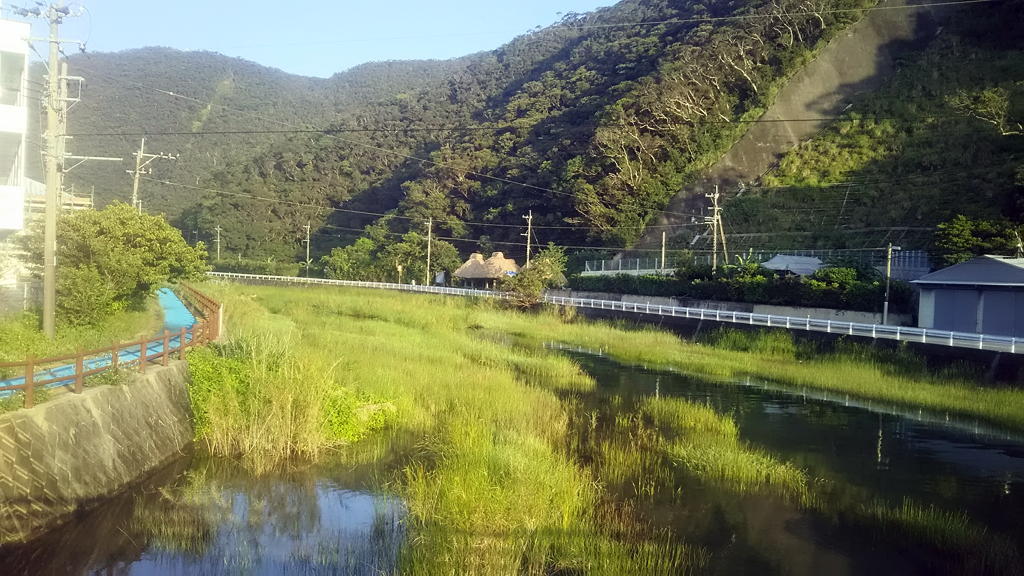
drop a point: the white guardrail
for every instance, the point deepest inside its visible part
(901, 333)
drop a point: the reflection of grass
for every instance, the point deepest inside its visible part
(491, 486)
(851, 370)
(173, 526)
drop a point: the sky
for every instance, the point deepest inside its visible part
(310, 38)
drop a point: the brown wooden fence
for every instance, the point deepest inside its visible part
(46, 371)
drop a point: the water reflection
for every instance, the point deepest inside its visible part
(877, 471)
(215, 519)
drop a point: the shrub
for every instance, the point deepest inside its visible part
(83, 298)
(844, 287)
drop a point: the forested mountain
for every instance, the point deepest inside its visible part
(183, 102)
(593, 124)
(942, 139)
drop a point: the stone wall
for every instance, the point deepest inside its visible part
(64, 453)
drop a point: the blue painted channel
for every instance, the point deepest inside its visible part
(176, 317)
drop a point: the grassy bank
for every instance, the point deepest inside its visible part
(858, 371)
(21, 334)
(510, 470)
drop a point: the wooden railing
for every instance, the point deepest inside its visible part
(42, 372)
(211, 311)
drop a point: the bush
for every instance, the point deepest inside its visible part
(846, 287)
(262, 267)
(83, 297)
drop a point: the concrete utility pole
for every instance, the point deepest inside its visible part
(141, 161)
(54, 178)
(307, 227)
(218, 229)
(888, 274)
(715, 221)
(664, 238)
(430, 241)
(529, 236)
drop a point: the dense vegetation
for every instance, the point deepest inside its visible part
(112, 260)
(941, 140)
(514, 465)
(593, 123)
(844, 288)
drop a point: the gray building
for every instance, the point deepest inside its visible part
(983, 296)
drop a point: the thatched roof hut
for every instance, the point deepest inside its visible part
(476, 270)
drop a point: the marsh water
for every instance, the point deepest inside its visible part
(205, 516)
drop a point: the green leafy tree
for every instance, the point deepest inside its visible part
(355, 262)
(546, 270)
(962, 238)
(128, 253)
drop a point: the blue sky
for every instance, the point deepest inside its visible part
(312, 38)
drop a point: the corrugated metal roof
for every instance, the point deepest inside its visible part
(801, 265)
(980, 271)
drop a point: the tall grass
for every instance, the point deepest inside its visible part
(773, 356)
(490, 488)
(21, 334)
(510, 472)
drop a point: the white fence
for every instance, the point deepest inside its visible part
(901, 333)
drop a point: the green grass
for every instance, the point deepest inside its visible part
(21, 334)
(511, 470)
(491, 488)
(852, 370)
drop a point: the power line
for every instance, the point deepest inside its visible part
(383, 215)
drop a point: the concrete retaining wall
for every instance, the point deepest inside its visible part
(794, 311)
(64, 453)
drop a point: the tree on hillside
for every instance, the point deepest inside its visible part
(961, 239)
(112, 259)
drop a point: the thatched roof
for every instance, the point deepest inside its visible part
(493, 268)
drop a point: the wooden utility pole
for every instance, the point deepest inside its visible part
(141, 161)
(430, 239)
(529, 236)
(218, 229)
(307, 249)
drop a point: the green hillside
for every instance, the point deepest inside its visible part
(942, 139)
(127, 93)
(593, 124)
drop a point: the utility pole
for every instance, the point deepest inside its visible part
(529, 236)
(54, 178)
(56, 103)
(715, 221)
(888, 274)
(664, 237)
(307, 249)
(141, 161)
(218, 229)
(430, 238)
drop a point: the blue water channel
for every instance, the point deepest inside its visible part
(176, 317)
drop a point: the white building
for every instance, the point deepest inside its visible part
(13, 123)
